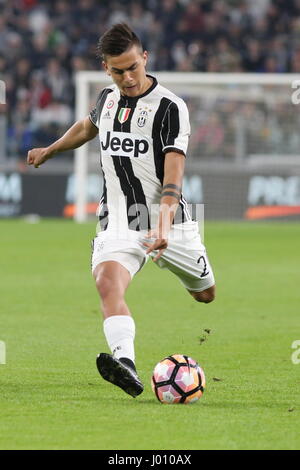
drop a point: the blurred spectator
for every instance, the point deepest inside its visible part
(253, 56)
(118, 14)
(193, 18)
(56, 112)
(209, 136)
(39, 53)
(179, 53)
(40, 96)
(226, 56)
(3, 65)
(57, 80)
(3, 35)
(295, 61)
(271, 65)
(22, 73)
(169, 13)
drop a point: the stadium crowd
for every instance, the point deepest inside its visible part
(43, 42)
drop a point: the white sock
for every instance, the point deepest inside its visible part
(119, 332)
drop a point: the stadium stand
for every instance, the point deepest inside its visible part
(43, 42)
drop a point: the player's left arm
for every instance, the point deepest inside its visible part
(170, 197)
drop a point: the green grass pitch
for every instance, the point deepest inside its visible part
(51, 395)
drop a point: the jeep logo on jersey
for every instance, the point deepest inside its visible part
(142, 118)
(123, 144)
(124, 114)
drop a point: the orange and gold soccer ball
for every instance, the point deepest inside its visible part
(178, 379)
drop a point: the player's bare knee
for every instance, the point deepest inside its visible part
(104, 286)
(205, 296)
(206, 299)
(111, 280)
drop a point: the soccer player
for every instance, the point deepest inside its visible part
(143, 130)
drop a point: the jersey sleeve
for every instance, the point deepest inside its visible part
(176, 128)
(96, 111)
(94, 114)
(93, 117)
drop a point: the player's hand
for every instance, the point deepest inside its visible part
(38, 156)
(155, 243)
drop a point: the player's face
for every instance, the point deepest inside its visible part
(128, 71)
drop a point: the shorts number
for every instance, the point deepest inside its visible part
(205, 272)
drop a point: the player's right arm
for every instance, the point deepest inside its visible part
(80, 133)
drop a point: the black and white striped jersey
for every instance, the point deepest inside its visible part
(135, 134)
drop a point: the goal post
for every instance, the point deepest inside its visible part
(233, 110)
(82, 83)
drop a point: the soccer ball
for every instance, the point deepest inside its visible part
(178, 379)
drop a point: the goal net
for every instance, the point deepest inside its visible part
(239, 122)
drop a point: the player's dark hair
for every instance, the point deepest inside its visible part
(118, 39)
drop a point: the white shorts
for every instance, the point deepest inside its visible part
(185, 255)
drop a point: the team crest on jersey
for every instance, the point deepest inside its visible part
(142, 118)
(124, 115)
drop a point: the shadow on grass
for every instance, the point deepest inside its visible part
(98, 392)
